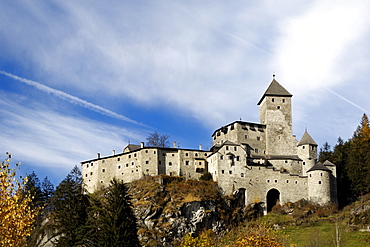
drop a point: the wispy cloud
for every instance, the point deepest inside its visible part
(72, 99)
(39, 137)
(346, 100)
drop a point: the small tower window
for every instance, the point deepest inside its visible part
(283, 100)
(319, 182)
(273, 100)
(278, 107)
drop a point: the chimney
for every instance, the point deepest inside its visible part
(98, 155)
(174, 145)
(114, 152)
(142, 144)
(200, 147)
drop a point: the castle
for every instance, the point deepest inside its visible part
(256, 162)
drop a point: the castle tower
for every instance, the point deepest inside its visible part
(276, 114)
(307, 151)
(319, 184)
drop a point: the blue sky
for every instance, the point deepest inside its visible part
(82, 77)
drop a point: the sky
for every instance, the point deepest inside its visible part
(79, 78)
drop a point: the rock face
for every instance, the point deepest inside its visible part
(166, 212)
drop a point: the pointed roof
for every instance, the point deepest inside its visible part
(328, 163)
(319, 166)
(275, 89)
(307, 139)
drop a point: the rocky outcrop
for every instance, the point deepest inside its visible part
(167, 211)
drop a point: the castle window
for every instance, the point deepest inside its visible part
(283, 100)
(147, 162)
(286, 161)
(137, 170)
(200, 163)
(154, 152)
(258, 138)
(230, 172)
(187, 162)
(118, 159)
(221, 157)
(146, 151)
(86, 175)
(223, 171)
(196, 154)
(92, 164)
(160, 162)
(132, 163)
(296, 182)
(170, 163)
(246, 136)
(242, 175)
(103, 170)
(278, 107)
(103, 161)
(91, 173)
(319, 182)
(313, 147)
(173, 154)
(147, 170)
(135, 155)
(205, 154)
(303, 147)
(235, 148)
(273, 100)
(186, 154)
(87, 166)
(227, 147)
(231, 127)
(101, 181)
(129, 156)
(127, 165)
(268, 180)
(275, 180)
(287, 181)
(321, 174)
(237, 158)
(310, 175)
(304, 163)
(256, 150)
(119, 167)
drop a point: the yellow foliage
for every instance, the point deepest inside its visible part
(203, 240)
(16, 215)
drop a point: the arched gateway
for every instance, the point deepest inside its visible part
(272, 198)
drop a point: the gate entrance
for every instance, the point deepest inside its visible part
(272, 198)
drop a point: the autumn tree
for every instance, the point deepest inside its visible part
(158, 140)
(111, 218)
(16, 213)
(358, 165)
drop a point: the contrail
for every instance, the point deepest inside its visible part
(72, 99)
(248, 43)
(347, 100)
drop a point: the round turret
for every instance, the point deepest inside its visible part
(319, 184)
(307, 151)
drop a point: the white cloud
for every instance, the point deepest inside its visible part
(44, 138)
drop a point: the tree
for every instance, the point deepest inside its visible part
(70, 209)
(325, 152)
(158, 140)
(111, 218)
(358, 165)
(33, 187)
(16, 213)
